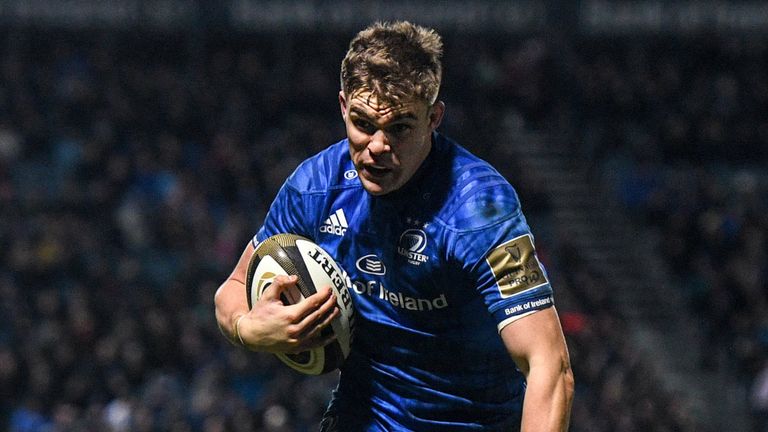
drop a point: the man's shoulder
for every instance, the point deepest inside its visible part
(478, 195)
(330, 168)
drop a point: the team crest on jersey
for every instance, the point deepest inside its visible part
(411, 245)
(516, 267)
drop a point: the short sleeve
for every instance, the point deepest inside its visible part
(499, 258)
(287, 214)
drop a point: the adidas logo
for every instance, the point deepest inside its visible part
(336, 224)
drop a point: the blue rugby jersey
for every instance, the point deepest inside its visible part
(438, 268)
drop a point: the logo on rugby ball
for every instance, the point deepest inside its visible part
(265, 280)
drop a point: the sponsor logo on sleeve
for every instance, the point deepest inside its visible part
(528, 306)
(516, 267)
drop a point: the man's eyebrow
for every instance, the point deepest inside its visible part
(403, 116)
(397, 117)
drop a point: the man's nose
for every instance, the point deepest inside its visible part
(379, 143)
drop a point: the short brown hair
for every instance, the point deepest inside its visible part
(395, 61)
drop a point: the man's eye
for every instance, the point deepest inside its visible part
(363, 125)
(400, 128)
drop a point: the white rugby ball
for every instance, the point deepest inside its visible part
(290, 254)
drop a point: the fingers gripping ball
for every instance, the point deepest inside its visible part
(289, 254)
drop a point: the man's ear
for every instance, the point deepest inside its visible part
(343, 104)
(436, 114)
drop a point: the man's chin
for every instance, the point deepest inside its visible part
(375, 189)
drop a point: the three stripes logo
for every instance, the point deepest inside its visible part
(336, 224)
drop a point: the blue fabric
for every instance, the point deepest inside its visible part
(427, 354)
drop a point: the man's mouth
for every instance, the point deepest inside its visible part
(376, 170)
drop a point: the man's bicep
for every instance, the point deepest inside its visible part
(230, 297)
(230, 300)
(535, 339)
(241, 269)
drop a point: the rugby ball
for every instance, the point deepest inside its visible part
(290, 254)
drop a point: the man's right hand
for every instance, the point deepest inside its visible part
(275, 327)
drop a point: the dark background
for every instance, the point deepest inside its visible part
(141, 143)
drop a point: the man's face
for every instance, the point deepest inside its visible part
(388, 143)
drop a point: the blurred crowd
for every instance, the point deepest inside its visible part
(133, 171)
(135, 167)
(680, 132)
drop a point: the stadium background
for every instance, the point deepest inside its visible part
(141, 142)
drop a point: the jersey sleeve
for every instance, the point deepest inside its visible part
(495, 249)
(297, 206)
(287, 214)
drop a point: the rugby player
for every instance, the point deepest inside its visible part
(456, 324)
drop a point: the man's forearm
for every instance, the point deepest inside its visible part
(230, 304)
(548, 399)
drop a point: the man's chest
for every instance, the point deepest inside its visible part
(395, 256)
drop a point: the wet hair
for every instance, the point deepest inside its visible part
(396, 62)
